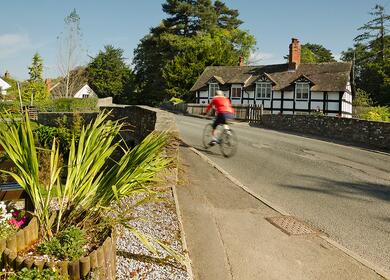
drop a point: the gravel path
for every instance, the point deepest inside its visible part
(159, 219)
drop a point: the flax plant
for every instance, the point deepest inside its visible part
(93, 179)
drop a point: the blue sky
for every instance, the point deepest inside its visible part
(33, 26)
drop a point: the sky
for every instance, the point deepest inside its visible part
(27, 27)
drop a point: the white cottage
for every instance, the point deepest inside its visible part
(290, 88)
(3, 87)
(85, 92)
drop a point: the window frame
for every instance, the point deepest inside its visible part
(215, 86)
(235, 87)
(299, 89)
(261, 90)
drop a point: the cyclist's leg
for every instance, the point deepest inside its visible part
(219, 119)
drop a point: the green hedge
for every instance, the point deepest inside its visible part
(68, 105)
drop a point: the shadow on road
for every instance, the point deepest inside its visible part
(355, 191)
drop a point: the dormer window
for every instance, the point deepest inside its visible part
(302, 91)
(213, 87)
(236, 91)
(263, 90)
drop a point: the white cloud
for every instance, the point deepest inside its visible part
(337, 56)
(258, 57)
(11, 44)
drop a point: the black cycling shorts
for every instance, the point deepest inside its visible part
(222, 118)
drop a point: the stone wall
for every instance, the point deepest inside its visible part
(138, 121)
(361, 132)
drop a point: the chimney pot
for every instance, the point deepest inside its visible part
(241, 61)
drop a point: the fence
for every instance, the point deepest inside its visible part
(250, 112)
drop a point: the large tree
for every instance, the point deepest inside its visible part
(371, 56)
(35, 88)
(196, 34)
(109, 76)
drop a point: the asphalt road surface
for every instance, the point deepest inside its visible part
(342, 190)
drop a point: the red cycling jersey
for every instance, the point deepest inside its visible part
(221, 104)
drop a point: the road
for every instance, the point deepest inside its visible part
(344, 191)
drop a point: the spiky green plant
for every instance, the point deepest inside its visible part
(93, 179)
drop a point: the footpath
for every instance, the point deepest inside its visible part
(229, 237)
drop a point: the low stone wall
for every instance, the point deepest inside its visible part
(361, 132)
(138, 121)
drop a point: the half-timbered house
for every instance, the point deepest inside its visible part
(290, 88)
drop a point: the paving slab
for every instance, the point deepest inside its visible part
(228, 236)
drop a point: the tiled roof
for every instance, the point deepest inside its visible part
(332, 76)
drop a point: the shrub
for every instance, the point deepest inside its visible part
(68, 105)
(377, 114)
(362, 99)
(67, 245)
(46, 135)
(35, 274)
(176, 100)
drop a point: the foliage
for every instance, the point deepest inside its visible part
(371, 56)
(35, 88)
(362, 98)
(196, 34)
(377, 114)
(68, 105)
(93, 181)
(36, 69)
(47, 134)
(196, 53)
(176, 100)
(108, 75)
(10, 106)
(36, 274)
(66, 245)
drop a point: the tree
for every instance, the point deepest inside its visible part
(196, 34)
(69, 51)
(35, 88)
(371, 57)
(375, 31)
(108, 75)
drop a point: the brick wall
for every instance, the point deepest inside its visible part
(361, 132)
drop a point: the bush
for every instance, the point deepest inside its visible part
(176, 100)
(67, 245)
(68, 105)
(12, 107)
(362, 99)
(35, 274)
(46, 135)
(377, 114)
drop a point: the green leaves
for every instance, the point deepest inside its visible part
(93, 181)
(108, 74)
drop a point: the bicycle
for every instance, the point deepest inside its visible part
(226, 138)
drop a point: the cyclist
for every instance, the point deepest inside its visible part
(224, 110)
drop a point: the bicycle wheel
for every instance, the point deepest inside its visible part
(228, 144)
(207, 135)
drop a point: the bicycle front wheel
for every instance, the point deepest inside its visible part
(207, 135)
(228, 143)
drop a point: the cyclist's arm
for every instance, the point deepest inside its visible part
(209, 107)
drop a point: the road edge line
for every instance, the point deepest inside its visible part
(334, 243)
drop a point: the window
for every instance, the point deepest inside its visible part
(85, 95)
(212, 89)
(263, 90)
(302, 91)
(236, 91)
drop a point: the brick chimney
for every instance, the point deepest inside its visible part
(294, 58)
(48, 84)
(7, 75)
(241, 61)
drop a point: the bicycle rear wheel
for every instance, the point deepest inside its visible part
(207, 135)
(228, 144)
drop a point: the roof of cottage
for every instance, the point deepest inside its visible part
(332, 76)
